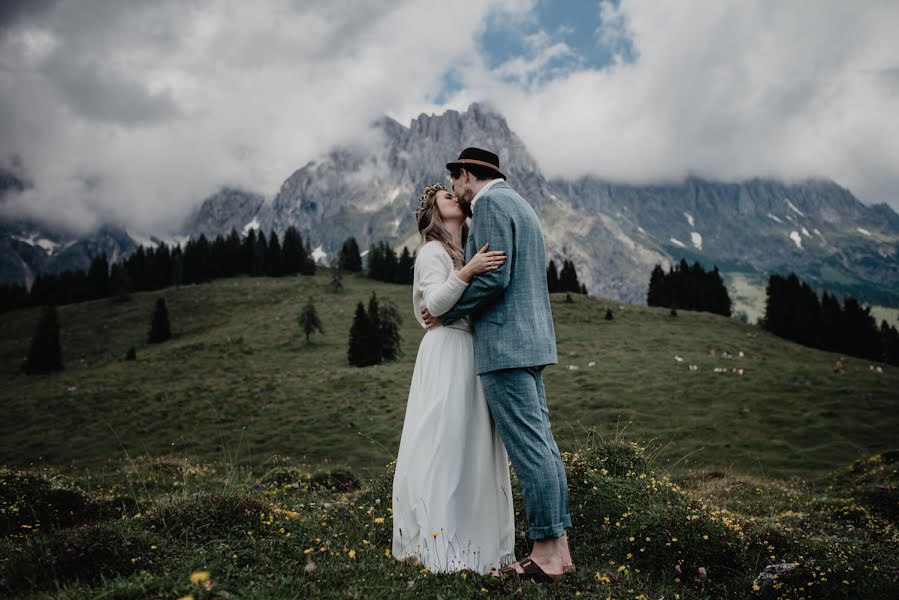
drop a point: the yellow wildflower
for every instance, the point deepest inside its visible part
(199, 576)
(379, 520)
(352, 554)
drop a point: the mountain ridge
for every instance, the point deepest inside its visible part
(614, 232)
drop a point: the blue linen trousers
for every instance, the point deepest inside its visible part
(517, 402)
(514, 339)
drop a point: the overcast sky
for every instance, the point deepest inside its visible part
(135, 111)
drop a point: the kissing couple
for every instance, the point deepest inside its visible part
(477, 399)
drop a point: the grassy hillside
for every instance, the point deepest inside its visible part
(213, 466)
(238, 383)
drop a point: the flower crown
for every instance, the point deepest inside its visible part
(429, 192)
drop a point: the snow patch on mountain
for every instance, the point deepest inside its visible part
(793, 208)
(141, 239)
(689, 218)
(677, 242)
(863, 231)
(806, 233)
(774, 218)
(319, 254)
(797, 239)
(32, 240)
(696, 238)
(254, 224)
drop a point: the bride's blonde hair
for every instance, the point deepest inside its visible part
(432, 228)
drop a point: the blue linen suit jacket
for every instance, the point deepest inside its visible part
(509, 308)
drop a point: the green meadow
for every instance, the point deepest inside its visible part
(238, 382)
(158, 468)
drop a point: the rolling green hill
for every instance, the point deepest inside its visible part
(211, 467)
(238, 383)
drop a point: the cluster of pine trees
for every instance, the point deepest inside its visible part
(155, 268)
(349, 259)
(794, 311)
(690, 288)
(45, 350)
(375, 334)
(565, 280)
(385, 265)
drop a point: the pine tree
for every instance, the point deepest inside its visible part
(309, 321)
(218, 258)
(273, 258)
(204, 259)
(552, 278)
(308, 260)
(160, 330)
(259, 253)
(389, 320)
(13, 296)
(233, 262)
(177, 275)
(98, 277)
(248, 253)
(890, 337)
(350, 259)
(45, 352)
(568, 281)
(374, 314)
(382, 262)
(364, 348)
(404, 268)
(119, 284)
(831, 322)
(293, 253)
(609, 315)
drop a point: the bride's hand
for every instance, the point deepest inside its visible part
(482, 262)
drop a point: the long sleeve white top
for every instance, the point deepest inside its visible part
(435, 285)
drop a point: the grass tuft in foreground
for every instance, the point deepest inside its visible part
(212, 532)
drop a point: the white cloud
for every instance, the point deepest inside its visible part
(134, 112)
(727, 89)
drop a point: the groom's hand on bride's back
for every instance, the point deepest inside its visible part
(431, 322)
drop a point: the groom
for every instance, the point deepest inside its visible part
(513, 340)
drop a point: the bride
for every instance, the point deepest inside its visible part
(452, 496)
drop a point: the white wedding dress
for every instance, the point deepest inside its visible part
(452, 496)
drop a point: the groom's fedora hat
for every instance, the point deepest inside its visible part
(476, 156)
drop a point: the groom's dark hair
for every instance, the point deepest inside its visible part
(478, 172)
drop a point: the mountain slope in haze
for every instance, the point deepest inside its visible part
(614, 233)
